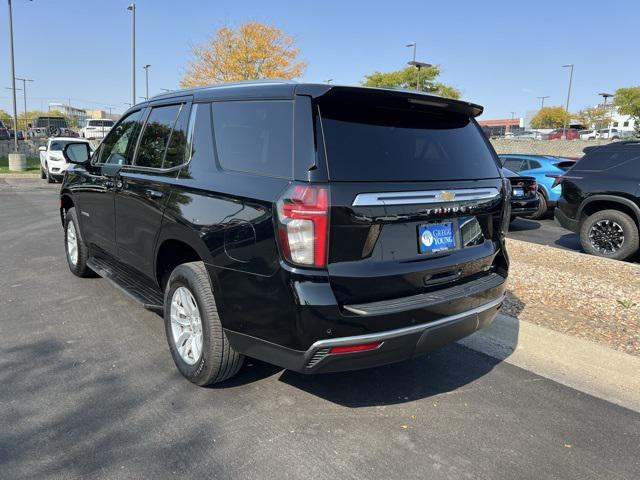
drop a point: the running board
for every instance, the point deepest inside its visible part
(135, 285)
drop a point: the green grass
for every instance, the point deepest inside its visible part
(33, 165)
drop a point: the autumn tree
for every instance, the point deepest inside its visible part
(6, 119)
(408, 77)
(597, 117)
(628, 102)
(253, 51)
(550, 117)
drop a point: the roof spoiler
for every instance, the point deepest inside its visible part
(410, 96)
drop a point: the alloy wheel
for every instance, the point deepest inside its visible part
(606, 237)
(72, 243)
(186, 325)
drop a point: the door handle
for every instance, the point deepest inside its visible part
(153, 194)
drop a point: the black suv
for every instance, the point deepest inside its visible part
(317, 227)
(601, 200)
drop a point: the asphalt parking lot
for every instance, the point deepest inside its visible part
(544, 232)
(89, 390)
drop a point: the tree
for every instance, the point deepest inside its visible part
(628, 102)
(550, 117)
(407, 78)
(6, 119)
(590, 117)
(251, 52)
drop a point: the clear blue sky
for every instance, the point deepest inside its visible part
(501, 54)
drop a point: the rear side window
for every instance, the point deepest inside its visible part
(513, 164)
(255, 137)
(155, 136)
(606, 158)
(370, 143)
(177, 147)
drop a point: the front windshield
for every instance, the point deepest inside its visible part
(58, 145)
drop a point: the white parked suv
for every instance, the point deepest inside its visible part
(52, 163)
(95, 129)
(590, 134)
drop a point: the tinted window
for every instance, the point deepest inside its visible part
(513, 164)
(606, 158)
(155, 136)
(177, 148)
(533, 164)
(57, 146)
(117, 147)
(55, 121)
(255, 136)
(366, 142)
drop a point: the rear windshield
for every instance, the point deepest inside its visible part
(56, 122)
(605, 158)
(370, 143)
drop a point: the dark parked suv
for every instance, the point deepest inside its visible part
(601, 200)
(317, 227)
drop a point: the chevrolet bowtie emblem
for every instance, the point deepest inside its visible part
(446, 196)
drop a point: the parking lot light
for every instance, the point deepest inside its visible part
(606, 96)
(146, 80)
(132, 9)
(566, 122)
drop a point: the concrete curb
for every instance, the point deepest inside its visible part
(580, 364)
(19, 175)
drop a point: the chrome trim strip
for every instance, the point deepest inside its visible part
(381, 336)
(426, 196)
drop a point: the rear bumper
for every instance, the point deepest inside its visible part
(395, 345)
(524, 206)
(565, 221)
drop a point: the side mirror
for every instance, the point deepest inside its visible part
(77, 152)
(42, 148)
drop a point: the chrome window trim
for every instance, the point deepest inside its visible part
(425, 196)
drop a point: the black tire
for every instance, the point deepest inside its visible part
(218, 361)
(542, 208)
(42, 174)
(49, 177)
(79, 268)
(629, 228)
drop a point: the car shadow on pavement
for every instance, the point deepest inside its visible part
(570, 241)
(523, 225)
(87, 428)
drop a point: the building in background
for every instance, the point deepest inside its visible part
(77, 115)
(503, 126)
(102, 114)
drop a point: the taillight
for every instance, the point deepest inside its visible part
(303, 224)
(558, 180)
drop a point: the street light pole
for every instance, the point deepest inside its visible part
(606, 96)
(542, 101)
(24, 93)
(146, 80)
(13, 80)
(132, 9)
(414, 45)
(566, 122)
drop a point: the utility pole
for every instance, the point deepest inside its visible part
(542, 101)
(13, 79)
(566, 122)
(24, 93)
(132, 8)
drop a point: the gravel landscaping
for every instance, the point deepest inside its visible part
(577, 294)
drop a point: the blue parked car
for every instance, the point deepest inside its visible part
(544, 169)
